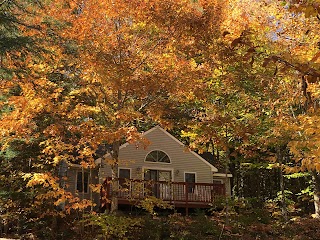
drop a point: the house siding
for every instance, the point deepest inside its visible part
(182, 160)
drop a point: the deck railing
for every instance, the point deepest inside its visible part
(172, 192)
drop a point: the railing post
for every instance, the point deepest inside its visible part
(187, 198)
(104, 195)
(107, 188)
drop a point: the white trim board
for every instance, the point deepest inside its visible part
(229, 175)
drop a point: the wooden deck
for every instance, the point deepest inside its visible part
(179, 194)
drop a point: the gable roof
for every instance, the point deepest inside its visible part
(213, 168)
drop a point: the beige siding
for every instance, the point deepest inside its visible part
(182, 160)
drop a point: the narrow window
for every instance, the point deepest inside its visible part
(190, 178)
(124, 175)
(82, 182)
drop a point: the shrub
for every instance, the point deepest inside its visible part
(112, 226)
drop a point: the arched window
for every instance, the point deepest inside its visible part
(157, 156)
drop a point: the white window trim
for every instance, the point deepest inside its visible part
(144, 168)
(157, 162)
(76, 185)
(184, 176)
(130, 169)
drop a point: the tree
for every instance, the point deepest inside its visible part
(293, 54)
(22, 54)
(119, 64)
(271, 55)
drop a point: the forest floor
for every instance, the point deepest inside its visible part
(253, 225)
(295, 229)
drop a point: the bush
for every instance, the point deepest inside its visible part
(112, 226)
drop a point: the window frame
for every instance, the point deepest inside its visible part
(123, 182)
(146, 168)
(191, 186)
(86, 189)
(123, 168)
(157, 150)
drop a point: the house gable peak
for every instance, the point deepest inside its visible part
(213, 169)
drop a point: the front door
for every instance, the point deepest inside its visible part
(157, 189)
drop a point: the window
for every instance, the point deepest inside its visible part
(82, 182)
(154, 187)
(157, 156)
(157, 175)
(190, 178)
(124, 173)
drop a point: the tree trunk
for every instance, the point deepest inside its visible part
(91, 193)
(315, 174)
(114, 192)
(242, 176)
(114, 177)
(316, 196)
(280, 156)
(226, 184)
(282, 187)
(213, 154)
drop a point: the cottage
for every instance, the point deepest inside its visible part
(165, 169)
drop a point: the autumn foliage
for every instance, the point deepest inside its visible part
(238, 79)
